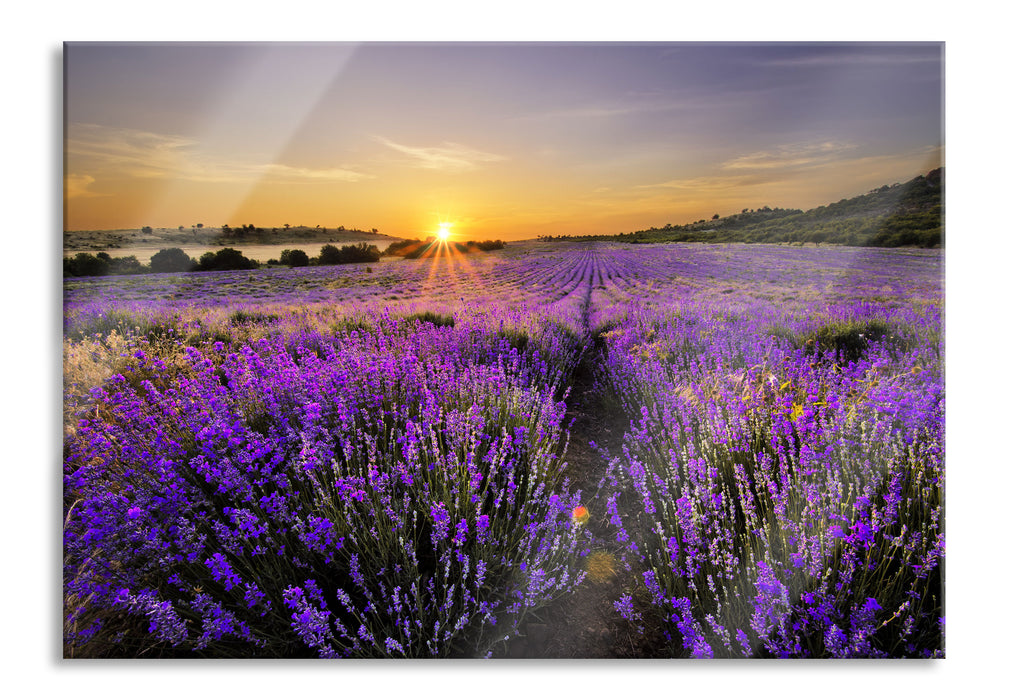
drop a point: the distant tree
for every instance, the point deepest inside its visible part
(362, 252)
(330, 255)
(147, 229)
(126, 266)
(86, 265)
(225, 259)
(171, 260)
(181, 227)
(199, 225)
(714, 216)
(374, 231)
(287, 226)
(294, 258)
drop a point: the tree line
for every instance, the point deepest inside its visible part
(416, 248)
(176, 260)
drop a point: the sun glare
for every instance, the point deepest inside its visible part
(444, 231)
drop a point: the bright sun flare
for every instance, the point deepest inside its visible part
(444, 231)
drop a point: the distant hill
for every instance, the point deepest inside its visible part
(909, 214)
(215, 236)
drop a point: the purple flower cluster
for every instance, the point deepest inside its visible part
(789, 465)
(377, 492)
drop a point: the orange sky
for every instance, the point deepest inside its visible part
(502, 140)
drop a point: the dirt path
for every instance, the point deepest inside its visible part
(584, 624)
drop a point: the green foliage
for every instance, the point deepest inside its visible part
(85, 265)
(847, 340)
(403, 247)
(441, 320)
(416, 248)
(171, 260)
(248, 318)
(225, 259)
(128, 265)
(362, 252)
(294, 258)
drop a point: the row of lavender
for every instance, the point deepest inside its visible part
(388, 489)
(783, 476)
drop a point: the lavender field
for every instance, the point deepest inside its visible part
(375, 461)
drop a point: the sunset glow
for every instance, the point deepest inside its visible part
(444, 231)
(520, 140)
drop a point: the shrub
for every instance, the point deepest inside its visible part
(225, 259)
(294, 258)
(85, 265)
(171, 260)
(128, 265)
(362, 252)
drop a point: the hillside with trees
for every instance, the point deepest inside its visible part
(225, 235)
(908, 214)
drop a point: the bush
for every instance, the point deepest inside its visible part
(171, 260)
(294, 258)
(225, 259)
(362, 252)
(85, 265)
(128, 265)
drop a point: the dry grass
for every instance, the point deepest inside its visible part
(600, 567)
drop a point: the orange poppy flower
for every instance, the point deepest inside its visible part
(580, 515)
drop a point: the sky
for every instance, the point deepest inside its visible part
(499, 140)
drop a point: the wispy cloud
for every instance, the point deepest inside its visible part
(789, 156)
(452, 157)
(130, 152)
(707, 183)
(142, 154)
(76, 186)
(289, 174)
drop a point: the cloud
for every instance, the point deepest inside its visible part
(452, 157)
(708, 183)
(75, 186)
(129, 151)
(142, 154)
(289, 174)
(789, 156)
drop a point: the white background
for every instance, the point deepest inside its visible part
(31, 302)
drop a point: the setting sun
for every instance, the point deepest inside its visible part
(444, 231)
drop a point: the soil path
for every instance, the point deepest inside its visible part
(585, 624)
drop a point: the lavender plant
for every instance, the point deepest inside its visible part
(792, 495)
(386, 493)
